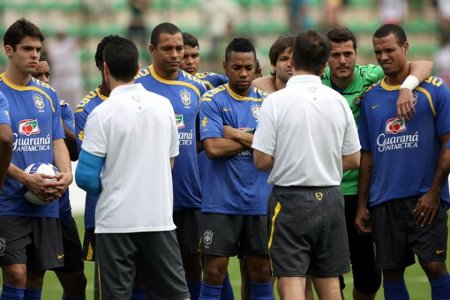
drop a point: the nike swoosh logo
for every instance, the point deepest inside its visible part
(375, 106)
(60, 256)
(439, 251)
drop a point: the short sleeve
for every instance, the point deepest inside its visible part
(67, 116)
(211, 121)
(80, 122)
(363, 129)
(94, 140)
(174, 144)
(4, 110)
(58, 129)
(264, 139)
(351, 141)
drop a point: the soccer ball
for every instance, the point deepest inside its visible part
(41, 168)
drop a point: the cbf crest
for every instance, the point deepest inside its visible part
(255, 111)
(207, 237)
(38, 101)
(185, 98)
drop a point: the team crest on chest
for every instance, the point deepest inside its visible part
(38, 101)
(255, 111)
(415, 97)
(185, 98)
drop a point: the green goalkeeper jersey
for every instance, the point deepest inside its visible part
(364, 77)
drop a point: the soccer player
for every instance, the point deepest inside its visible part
(234, 192)
(407, 201)
(306, 135)
(280, 58)
(184, 91)
(351, 81)
(133, 223)
(191, 62)
(82, 111)
(5, 139)
(71, 276)
(31, 235)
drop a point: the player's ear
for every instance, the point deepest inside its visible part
(9, 51)
(405, 47)
(151, 48)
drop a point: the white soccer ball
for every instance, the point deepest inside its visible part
(41, 168)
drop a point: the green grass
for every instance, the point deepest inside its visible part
(415, 278)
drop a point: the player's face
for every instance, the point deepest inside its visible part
(191, 59)
(26, 56)
(390, 55)
(342, 60)
(42, 72)
(240, 70)
(167, 55)
(283, 66)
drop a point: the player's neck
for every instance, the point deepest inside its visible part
(166, 75)
(397, 79)
(240, 92)
(16, 77)
(342, 83)
(279, 84)
(104, 90)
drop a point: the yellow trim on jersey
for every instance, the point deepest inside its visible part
(430, 101)
(174, 82)
(207, 83)
(242, 98)
(387, 86)
(26, 88)
(92, 94)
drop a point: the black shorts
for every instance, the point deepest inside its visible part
(230, 235)
(188, 230)
(366, 274)
(36, 242)
(163, 274)
(307, 232)
(89, 244)
(73, 253)
(397, 237)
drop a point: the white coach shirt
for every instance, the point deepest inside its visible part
(136, 132)
(307, 127)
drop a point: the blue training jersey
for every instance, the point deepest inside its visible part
(4, 110)
(232, 185)
(36, 122)
(82, 111)
(404, 153)
(184, 94)
(65, 210)
(212, 80)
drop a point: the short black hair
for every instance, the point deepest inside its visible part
(100, 47)
(168, 28)
(341, 35)
(279, 46)
(122, 58)
(190, 40)
(19, 30)
(311, 51)
(239, 45)
(396, 30)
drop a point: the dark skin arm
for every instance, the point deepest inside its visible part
(71, 143)
(428, 204)
(362, 218)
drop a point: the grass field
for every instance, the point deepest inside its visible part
(416, 281)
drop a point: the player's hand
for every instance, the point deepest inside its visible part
(426, 208)
(405, 105)
(362, 220)
(38, 184)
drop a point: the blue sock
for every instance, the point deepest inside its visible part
(227, 291)
(12, 293)
(440, 288)
(72, 298)
(32, 294)
(210, 292)
(395, 290)
(261, 291)
(194, 289)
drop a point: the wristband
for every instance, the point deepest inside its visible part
(410, 83)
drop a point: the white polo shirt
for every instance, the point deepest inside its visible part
(307, 127)
(136, 132)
